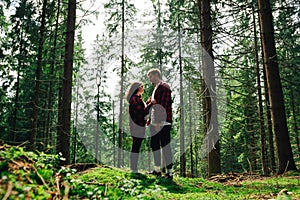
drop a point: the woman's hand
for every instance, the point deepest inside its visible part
(148, 122)
(148, 100)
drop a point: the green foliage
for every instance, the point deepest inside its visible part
(111, 183)
(114, 15)
(30, 174)
(35, 176)
(233, 47)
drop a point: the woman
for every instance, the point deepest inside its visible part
(137, 122)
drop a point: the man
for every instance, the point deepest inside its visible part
(161, 121)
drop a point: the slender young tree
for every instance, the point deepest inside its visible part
(97, 154)
(38, 74)
(284, 150)
(191, 130)
(159, 53)
(22, 47)
(17, 84)
(116, 25)
(114, 133)
(295, 125)
(16, 99)
(269, 125)
(260, 101)
(182, 134)
(100, 50)
(52, 84)
(120, 136)
(75, 123)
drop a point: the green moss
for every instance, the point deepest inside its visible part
(35, 175)
(120, 184)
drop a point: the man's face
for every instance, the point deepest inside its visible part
(153, 78)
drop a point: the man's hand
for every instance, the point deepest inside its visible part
(157, 128)
(148, 122)
(149, 100)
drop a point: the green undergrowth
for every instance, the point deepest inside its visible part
(112, 183)
(28, 175)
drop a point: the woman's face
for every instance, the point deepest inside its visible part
(141, 89)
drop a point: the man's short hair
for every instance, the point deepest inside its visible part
(154, 71)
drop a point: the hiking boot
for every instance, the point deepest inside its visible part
(134, 171)
(168, 176)
(155, 173)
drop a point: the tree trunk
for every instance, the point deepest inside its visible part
(120, 137)
(191, 131)
(159, 32)
(114, 134)
(295, 125)
(97, 155)
(17, 96)
(16, 102)
(38, 74)
(64, 130)
(284, 150)
(249, 113)
(75, 124)
(197, 153)
(182, 150)
(260, 103)
(269, 125)
(52, 76)
(212, 135)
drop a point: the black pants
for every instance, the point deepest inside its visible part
(135, 150)
(161, 140)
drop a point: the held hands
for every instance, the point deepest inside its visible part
(148, 122)
(157, 128)
(150, 100)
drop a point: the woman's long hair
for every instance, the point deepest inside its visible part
(133, 89)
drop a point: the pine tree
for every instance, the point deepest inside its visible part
(284, 151)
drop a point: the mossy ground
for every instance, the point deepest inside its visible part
(28, 175)
(112, 183)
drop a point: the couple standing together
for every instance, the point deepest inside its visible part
(159, 107)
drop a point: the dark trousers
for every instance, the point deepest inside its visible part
(161, 140)
(135, 150)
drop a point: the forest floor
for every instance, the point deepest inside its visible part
(28, 175)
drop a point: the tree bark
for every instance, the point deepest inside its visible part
(212, 135)
(190, 129)
(284, 150)
(52, 76)
(75, 124)
(64, 131)
(269, 125)
(16, 99)
(182, 150)
(260, 103)
(38, 74)
(114, 134)
(159, 32)
(295, 125)
(120, 136)
(97, 154)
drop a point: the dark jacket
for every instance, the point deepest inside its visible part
(163, 107)
(137, 111)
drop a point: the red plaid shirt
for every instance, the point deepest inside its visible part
(137, 111)
(163, 97)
